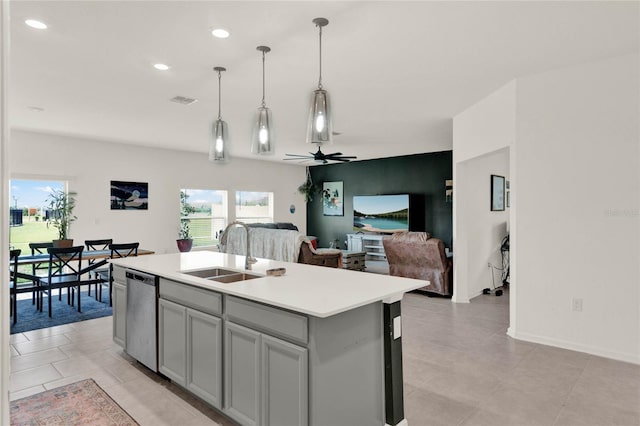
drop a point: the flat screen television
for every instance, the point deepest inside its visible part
(383, 214)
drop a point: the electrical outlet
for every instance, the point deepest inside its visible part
(577, 304)
(488, 264)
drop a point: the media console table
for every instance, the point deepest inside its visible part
(371, 244)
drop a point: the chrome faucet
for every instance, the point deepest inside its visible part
(248, 260)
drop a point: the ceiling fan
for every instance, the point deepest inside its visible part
(320, 156)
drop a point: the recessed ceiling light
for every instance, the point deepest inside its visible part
(35, 109)
(220, 33)
(36, 24)
(161, 67)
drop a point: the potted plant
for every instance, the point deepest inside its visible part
(61, 205)
(185, 242)
(308, 188)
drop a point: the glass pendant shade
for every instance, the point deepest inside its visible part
(262, 138)
(218, 144)
(319, 125)
(219, 139)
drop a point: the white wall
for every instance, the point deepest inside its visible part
(90, 165)
(578, 197)
(482, 137)
(483, 229)
(4, 215)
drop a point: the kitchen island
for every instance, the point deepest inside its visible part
(316, 346)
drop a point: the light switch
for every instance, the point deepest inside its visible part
(397, 327)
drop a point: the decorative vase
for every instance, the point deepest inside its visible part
(184, 245)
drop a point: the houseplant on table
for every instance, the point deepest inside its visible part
(185, 242)
(61, 205)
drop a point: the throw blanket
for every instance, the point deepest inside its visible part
(275, 244)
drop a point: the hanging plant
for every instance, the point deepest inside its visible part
(308, 188)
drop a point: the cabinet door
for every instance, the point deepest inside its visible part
(354, 242)
(119, 302)
(204, 356)
(172, 341)
(242, 373)
(284, 387)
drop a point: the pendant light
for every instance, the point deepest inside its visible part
(218, 145)
(262, 141)
(319, 125)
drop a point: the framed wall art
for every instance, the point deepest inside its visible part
(129, 195)
(332, 199)
(497, 193)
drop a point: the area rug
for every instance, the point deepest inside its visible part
(80, 403)
(29, 318)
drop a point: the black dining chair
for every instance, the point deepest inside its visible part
(117, 251)
(65, 266)
(97, 245)
(40, 269)
(13, 282)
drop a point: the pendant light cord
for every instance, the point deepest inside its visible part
(219, 95)
(263, 103)
(320, 50)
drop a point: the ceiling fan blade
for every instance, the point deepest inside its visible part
(299, 155)
(343, 159)
(333, 154)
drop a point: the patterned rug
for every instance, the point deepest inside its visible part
(80, 403)
(29, 318)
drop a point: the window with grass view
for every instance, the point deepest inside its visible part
(205, 211)
(254, 207)
(28, 212)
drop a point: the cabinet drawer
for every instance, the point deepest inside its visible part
(273, 321)
(119, 274)
(192, 297)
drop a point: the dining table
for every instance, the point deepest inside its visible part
(30, 259)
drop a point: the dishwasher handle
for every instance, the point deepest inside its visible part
(141, 278)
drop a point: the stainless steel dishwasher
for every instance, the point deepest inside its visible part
(142, 318)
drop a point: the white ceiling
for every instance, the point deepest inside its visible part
(397, 72)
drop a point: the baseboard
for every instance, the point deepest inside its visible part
(403, 422)
(593, 350)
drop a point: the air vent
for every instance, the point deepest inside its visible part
(183, 100)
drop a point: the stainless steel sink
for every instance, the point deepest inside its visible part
(234, 278)
(211, 273)
(221, 275)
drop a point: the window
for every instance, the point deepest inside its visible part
(254, 207)
(28, 212)
(206, 213)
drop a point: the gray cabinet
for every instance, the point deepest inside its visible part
(284, 386)
(119, 302)
(172, 341)
(190, 350)
(265, 378)
(204, 356)
(242, 373)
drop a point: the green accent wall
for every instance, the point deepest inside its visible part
(422, 176)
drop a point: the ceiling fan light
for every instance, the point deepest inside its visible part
(218, 144)
(263, 137)
(319, 125)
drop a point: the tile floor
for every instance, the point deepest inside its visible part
(460, 368)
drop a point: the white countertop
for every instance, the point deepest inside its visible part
(313, 290)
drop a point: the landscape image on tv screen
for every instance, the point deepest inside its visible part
(381, 213)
